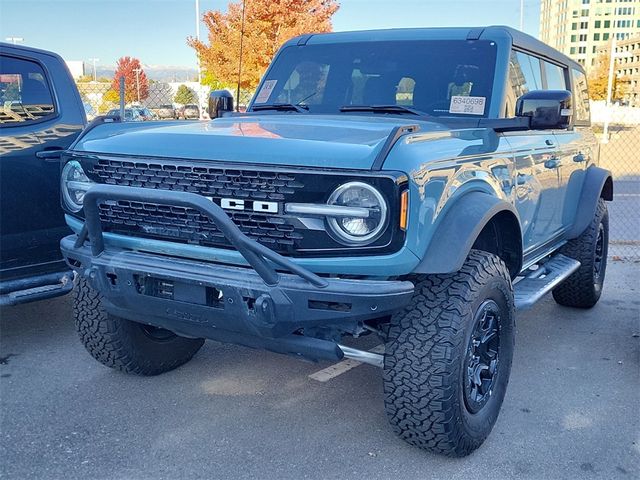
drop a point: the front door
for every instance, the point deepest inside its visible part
(537, 187)
(31, 220)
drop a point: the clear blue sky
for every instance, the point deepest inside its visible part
(155, 30)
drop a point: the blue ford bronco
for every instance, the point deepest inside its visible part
(420, 185)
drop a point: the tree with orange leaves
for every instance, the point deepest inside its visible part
(267, 25)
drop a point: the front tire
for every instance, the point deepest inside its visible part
(125, 345)
(448, 357)
(584, 287)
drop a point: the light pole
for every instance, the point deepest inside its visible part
(14, 40)
(240, 58)
(521, 15)
(198, 38)
(137, 70)
(94, 60)
(612, 62)
(199, 92)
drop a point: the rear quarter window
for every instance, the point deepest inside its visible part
(580, 98)
(554, 75)
(25, 95)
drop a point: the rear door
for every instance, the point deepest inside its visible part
(33, 117)
(576, 144)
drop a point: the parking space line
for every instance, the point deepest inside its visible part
(339, 368)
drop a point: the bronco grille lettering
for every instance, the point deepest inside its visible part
(256, 206)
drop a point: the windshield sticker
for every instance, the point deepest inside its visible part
(467, 105)
(265, 91)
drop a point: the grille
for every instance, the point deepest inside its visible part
(188, 225)
(283, 233)
(211, 181)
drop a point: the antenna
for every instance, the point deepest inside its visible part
(240, 59)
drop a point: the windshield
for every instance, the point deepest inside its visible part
(429, 76)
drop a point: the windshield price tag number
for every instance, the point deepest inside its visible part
(265, 91)
(467, 105)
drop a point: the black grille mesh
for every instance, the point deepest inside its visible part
(212, 181)
(188, 225)
(185, 224)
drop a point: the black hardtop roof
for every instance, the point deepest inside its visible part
(499, 33)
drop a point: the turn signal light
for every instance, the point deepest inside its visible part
(404, 209)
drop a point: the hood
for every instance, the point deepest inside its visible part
(340, 141)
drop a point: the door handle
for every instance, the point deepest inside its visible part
(552, 163)
(579, 158)
(549, 142)
(51, 155)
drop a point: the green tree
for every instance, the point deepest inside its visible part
(185, 95)
(210, 79)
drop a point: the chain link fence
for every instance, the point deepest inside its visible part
(618, 130)
(155, 101)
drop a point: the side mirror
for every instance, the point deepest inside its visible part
(220, 102)
(547, 109)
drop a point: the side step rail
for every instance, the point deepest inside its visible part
(541, 281)
(51, 286)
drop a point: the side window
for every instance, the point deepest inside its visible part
(528, 76)
(24, 92)
(525, 75)
(554, 75)
(581, 96)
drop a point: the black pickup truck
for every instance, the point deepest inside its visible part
(41, 114)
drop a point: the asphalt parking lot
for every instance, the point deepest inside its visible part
(571, 411)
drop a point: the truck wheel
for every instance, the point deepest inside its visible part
(583, 288)
(448, 357)
(125, 345)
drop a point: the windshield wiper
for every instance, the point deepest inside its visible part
(382, 109)
(281, 107)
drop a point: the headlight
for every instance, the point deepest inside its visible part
(74, 184)
(366, 226)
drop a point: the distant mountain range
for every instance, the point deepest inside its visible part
(159, 73)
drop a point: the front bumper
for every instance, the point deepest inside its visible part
(295, 313)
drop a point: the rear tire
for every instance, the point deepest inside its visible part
(584, 287)
(448, 357)
(125, 345)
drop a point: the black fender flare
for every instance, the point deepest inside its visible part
(458, 230)
(598, 183)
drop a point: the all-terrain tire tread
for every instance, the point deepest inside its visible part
(109, 339)
(422, 361)
(578, 290)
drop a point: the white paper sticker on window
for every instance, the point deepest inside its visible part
(265, 91)
(467, 105)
